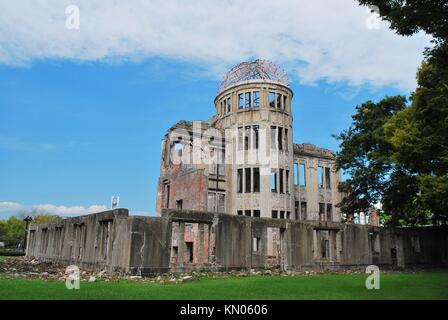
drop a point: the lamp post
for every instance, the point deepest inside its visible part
(27, 220)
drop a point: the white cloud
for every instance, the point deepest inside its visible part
(7, 206)
(313, 40)
(69, 211)
(14, 208)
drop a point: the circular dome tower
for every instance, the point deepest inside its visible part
(253, 104)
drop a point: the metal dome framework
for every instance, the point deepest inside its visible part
(254, 70)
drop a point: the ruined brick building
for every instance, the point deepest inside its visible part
(257, 170)
(235, 192)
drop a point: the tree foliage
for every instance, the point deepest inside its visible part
(12, 230)
(398, 154)
(411, 16)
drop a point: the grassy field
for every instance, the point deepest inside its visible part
(3, 258)
(422, 285)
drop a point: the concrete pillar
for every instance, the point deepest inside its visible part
(181, 245)
(200, 244)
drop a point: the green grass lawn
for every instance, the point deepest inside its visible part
(3, 258)
(422, 285)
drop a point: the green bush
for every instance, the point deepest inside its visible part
(11, 252)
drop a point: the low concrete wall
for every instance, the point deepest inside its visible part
(115, 241)
(94, 241)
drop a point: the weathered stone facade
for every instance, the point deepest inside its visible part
(181, 241)
(258, 171)
(221, 206)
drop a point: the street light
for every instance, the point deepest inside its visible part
(27, 220)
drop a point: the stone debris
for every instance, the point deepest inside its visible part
(24, 267)
(186, 278)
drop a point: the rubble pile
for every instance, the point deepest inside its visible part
(25, 267)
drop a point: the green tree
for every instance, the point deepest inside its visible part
(46, 218)
(419, 136)
(2, 230)
(411, 16)
(365, 155)
(15, 230)
(401, 158)
(39, 216)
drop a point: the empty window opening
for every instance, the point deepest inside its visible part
(273, 137)
(285, 101)
(287, 181)
(256, 179)
(286, 139)
(256, 130)
(248, 102)
(178, 146)
(320, 176)
(296, 173)
(274, 180)
(329, 212)
(247, 213)
(281, 180)
(328, 178)
(272, 99)
(279, 101)
(189, 252)
(166, 195)
(280, 138)
(174, 254)
(282, 214)
(240, 180)
(255, 244)
(302, 175)
(240, 212)
(274, 214)
(297, 210)
(288, 215)
(247, 138)
(321, 211)
(248, 180)
(303, 210)
(325, 248)
(257, 213)
(256, 97)
(179, 204)
(274, 239)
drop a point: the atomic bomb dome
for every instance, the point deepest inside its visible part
(259, 70)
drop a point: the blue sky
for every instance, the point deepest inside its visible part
(83, 112)
(76, 133)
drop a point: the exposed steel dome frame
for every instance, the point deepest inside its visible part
(254, 70)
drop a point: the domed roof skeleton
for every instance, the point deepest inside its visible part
(254, 70)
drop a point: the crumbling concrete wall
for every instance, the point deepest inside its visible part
(93, 241)
(181, 241)
(150, 239)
